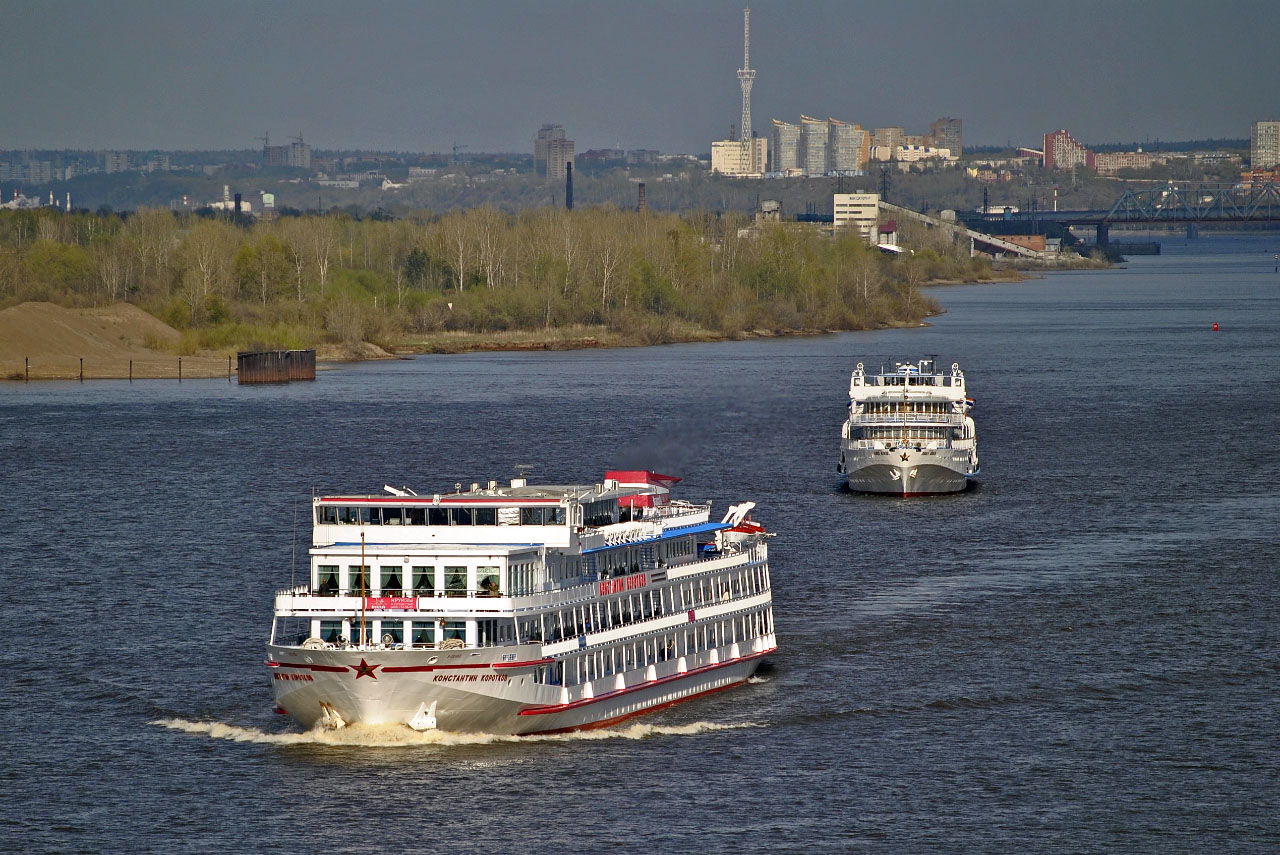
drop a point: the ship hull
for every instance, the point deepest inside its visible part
(912, 477)
(405, 687)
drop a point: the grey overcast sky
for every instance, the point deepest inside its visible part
(421, 76)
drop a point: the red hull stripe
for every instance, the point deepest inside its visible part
(306, 667)
(555, 708)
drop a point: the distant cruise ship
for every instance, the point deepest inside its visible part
(520, 608)
(909, 432)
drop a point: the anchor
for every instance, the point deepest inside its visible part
(424, 718)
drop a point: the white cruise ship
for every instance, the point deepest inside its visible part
(909, 432)
(519, 608)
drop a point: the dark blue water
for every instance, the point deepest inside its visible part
(1081, 655)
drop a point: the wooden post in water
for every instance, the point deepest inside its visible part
(179, 369)
(130, 370)
(228, 369)
(26, 366)
(82, 369)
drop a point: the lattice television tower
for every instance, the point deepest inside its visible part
(746, 76)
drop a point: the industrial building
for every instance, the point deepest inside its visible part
(859, 211)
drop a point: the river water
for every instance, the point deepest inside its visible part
(1079, 655)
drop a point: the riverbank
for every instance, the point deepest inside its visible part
(44, 341)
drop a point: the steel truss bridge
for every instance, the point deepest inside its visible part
(1170, 203)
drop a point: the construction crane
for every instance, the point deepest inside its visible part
(266, 139)
(455, 149)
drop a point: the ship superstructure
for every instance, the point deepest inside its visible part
(909, 431)
(519, 608)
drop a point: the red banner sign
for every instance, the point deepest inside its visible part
(626, 583)
(386, 604)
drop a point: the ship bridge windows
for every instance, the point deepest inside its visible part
(438, 515)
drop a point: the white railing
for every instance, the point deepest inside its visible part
(940, 419)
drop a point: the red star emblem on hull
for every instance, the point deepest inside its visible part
(906, 456)
(364, 669)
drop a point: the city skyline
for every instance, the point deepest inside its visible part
(663, 75)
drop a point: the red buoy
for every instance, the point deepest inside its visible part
(1215, 327)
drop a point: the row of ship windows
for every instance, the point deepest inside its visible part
(385, 515)
(891, 407)
(523, 577)
(627, 656)
(424, 581)
(485, 632)
(644, 604)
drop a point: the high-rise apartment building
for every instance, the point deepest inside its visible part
(786, 147)
(552, 153)
(1063, 151)
(1264, 145)
(947, 133)
(848, 146)
(296, 154)
(116, 161)
(813, 146)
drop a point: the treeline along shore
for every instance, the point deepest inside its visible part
(479, 278)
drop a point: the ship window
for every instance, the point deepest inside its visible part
(330, 630)
(415, 516)
(454, 629)
(531, 516)
(486, 516)
(357, 580)
(424, 581)
(348, 515)
(437, 516)
(371, 516)
(422, 633)
(461, 516)
(327, 582)
(328, 515)
(487, 632)
(393, 628)
(390, 585)
(455, 581)
(553, 516)
(392, 516)
(487, 582)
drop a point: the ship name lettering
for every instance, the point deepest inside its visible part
(306, 677)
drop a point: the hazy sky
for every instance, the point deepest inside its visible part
(421, 76)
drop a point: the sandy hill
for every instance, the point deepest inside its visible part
(55, 339)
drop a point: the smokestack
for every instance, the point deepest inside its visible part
(568, 186)
(640, 206)
(69, 202)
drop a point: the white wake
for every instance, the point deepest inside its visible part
(400, 736)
